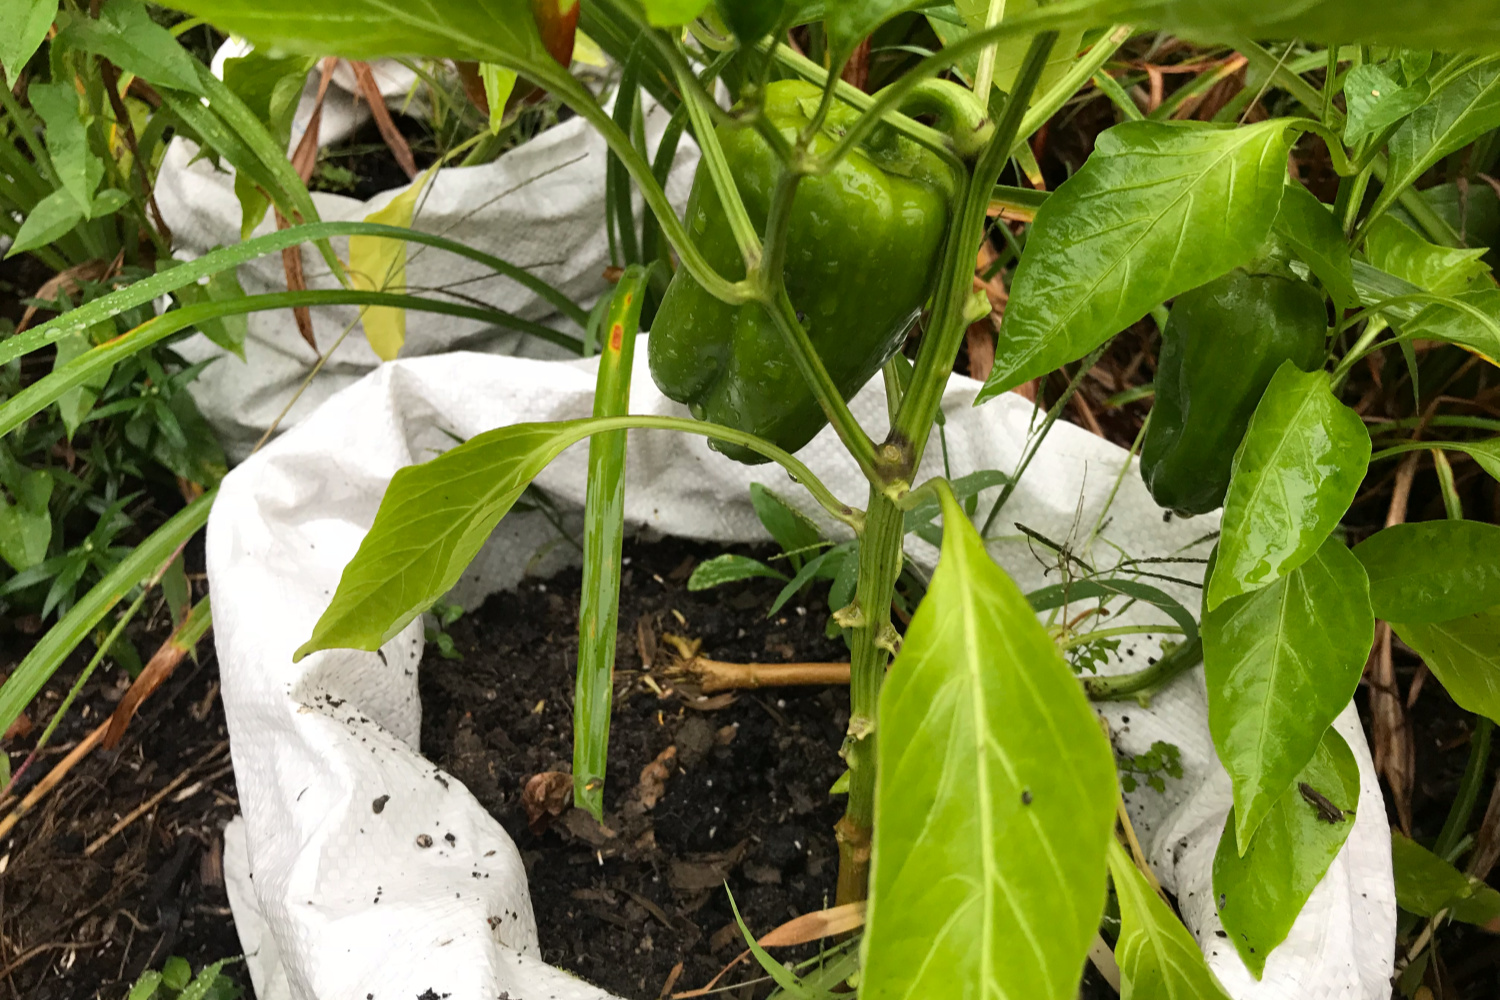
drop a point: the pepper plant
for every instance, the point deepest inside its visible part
(982, 797)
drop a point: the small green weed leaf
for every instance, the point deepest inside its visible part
(1426, 885)
(1260, 894)
(1486, 454)
(75, 404)
(145, 987)
(994, 798)
(503, 31)
(431, 523)
(729, 568)
(25, 523)
(1113, 241)
(793, 530)
(108, 202)
(1397, 249)
(270, 87)
(77, 168)
(176, 973)
(499, 84)
(1376, 101)
(1158, 958)
(53, 217)
(209, 984)
(125, 35)
(1457, 113)
(1295, 474)
(1281, 664)
(1306, 224)
(1464, 654)
(23, 26)
(810, 571)
(1432, 571)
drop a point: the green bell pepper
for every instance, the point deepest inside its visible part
(1221, 345)
(864, 243)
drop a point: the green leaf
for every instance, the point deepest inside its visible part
(145, 987)
(23, 26)
(793, 530)
(1436, 24)
(603, 536)
(1011, 51)
(25, 524)
(1309, 228)
(1281, 664)
(108, 202)
(1470, 319)
(53, 217)
(1295, 474)
(1464, 654)
(1458, 112)
(1426, 885)
(667, 13)
(729, 568)
(1377, 101)
(125, 35)
(849, 21)
(1158, 958)
(270, 87)
(1486, 454)
(994, 798)
(75, 404)
(1060, 594)
(78, 169)
(1397, 249)
(502, 31)
(1260, 894)
(1432, 571)
(176, 973)
(499, 84)
(1159, 208)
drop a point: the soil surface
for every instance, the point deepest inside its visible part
(95, 889)
(739, 781)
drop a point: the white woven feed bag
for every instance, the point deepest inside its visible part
(340, 809)
(540, 206)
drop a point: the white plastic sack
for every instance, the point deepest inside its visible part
(539, 206)
(344, 879)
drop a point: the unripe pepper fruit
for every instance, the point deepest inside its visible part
(864, 242)
(1222, 343)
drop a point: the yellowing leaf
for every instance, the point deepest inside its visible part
(499, 83)
(587, 51)
(378, 264)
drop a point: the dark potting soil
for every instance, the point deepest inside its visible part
(742, 779)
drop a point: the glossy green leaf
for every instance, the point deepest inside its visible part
(1458, 112)
(25, 523)
(52, 218)
(1376, 100)
(1158, 958)
(1470, 319)
(1309, 228)
(994, 798)
(125, 35)
(1260, 893)
(793, 530)
(1464, 654)
(1159, 208)
(1427, 885)
(1397, 249)
(502, 31)
(1295, 474)
(1432, 571)
(78, 169)
(176, 973)
(1281, 664)
(603, 537)
(729, 568)
(23, 26)
(146, 987)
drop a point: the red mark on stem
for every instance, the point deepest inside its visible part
(616, 336)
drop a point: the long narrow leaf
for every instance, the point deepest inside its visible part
(35, 397)
(225, 258)
(603, 533)
(46, 656)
